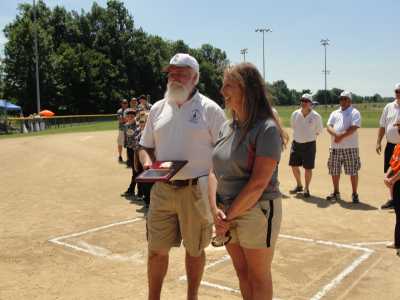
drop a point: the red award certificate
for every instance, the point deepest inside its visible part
(161, 171)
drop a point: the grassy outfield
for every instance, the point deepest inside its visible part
(370, 113)
(85, 127)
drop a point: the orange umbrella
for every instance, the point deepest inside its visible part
(46, 113)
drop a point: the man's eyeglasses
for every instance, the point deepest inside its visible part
(397, 91)
(305, 100)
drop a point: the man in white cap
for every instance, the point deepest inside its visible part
(342, 126)
(307, 125)
(182, 126)
(388, 125)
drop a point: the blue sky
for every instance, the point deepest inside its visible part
(363, 56)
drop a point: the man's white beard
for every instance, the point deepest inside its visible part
(177, 93)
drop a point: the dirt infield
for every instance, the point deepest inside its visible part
(65, 233)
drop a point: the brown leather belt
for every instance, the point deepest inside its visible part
(183, 183)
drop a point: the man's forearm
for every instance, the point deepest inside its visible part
(330, 130)
(381, 133)
(350, 131)
(146, 156)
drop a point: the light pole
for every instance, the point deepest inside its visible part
(36, 59)
(244, 52)
(325, 43)
(263, 31)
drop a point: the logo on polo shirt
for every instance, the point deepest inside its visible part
(195, 116)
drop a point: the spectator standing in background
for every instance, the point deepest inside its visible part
(307, 125)
(342, 126)
(388, 127)
(121, 122)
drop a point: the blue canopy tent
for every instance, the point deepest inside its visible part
(5, 108)
(8, 106)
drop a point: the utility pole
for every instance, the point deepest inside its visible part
(325, 43)
(263, 31)
(244, 52)
(36, 58)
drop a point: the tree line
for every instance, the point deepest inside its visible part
(282, 95)
(90, 60)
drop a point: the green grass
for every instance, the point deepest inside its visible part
(86, 127)
(370, 114)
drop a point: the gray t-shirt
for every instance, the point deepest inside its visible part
(233, 162)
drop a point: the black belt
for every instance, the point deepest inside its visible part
(183, 183)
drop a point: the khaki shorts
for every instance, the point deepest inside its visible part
(179, 214)
(259, 227)
(121, 138)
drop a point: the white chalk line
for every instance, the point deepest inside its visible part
(344, 295)
(96, 250)
(372, 243)
(94, 229)
(327, 243)
(342, 275)
(102, 252)
(325, 289)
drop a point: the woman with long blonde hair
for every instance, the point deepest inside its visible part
(245, 179)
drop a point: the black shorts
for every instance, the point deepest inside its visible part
(303, 154)
(388, 155)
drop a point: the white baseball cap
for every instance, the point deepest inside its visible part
(397, 87)
(307, 96)
(346, 94)
(183, 60)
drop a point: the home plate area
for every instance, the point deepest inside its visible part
(303, 268)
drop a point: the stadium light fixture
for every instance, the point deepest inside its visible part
(263, 31)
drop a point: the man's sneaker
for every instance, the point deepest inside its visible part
(333, 197)
(398, 252)
(355, 198)
(120, 160)
(388, 205)
(296, 190)
(306, 194)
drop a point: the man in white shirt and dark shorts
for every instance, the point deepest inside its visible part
(182, 126)
(342, 126)
(307, 125)
(388, 126)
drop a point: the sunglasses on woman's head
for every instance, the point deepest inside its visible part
(219, 241)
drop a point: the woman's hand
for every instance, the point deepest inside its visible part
(221, 225)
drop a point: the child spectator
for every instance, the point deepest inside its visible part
(392, 181)
(143, 188)
(131, 130)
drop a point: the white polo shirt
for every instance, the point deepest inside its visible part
(305, 129)
(341, 121)
(390, 116)
(185, 133)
